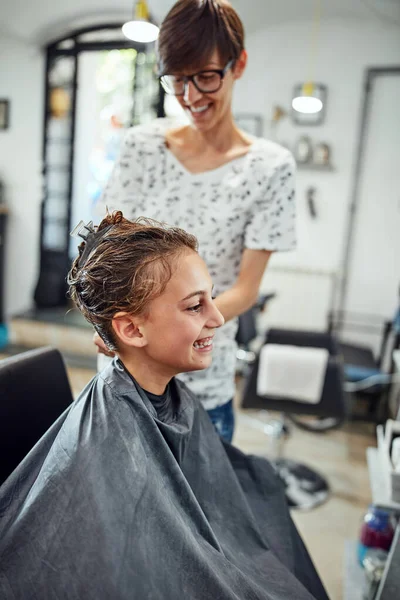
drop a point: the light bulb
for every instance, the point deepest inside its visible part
(307, 104)
(141, 31)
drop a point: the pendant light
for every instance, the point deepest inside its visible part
(140, 29)
(307, 101)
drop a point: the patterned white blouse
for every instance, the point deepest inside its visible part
(246, 203)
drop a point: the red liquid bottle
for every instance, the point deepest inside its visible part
(376, 532)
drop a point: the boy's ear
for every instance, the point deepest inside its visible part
(128, 329)
(240, 65)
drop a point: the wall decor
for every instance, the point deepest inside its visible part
(303, 150)
(4, 114)
(250, 123)
(312, 155)
(322, 154)
(310, 195)
(318, 91)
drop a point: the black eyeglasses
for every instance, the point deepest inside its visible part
(206, 82)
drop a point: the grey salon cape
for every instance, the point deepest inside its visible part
(113, 504)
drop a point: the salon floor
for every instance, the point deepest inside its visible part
(340, 457)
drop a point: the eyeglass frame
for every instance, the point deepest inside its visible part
(187, 78)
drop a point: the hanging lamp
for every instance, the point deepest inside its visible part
(307, 101)
(140, 29)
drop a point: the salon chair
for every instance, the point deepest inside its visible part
(247, 333)
(368, 374)
(304, 487)
(35, 391)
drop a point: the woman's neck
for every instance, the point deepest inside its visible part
(201, 151)
(221, 138)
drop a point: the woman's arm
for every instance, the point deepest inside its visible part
(243, 295)
(272, 225)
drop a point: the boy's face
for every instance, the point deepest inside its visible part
(180, 325)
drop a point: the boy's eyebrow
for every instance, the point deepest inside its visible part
(198, 293)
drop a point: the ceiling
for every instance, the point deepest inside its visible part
(40, 21)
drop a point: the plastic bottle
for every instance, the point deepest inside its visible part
(374, 565)
(377, 531)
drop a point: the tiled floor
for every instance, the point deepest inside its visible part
(339, 456)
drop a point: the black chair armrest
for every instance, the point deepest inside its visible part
(314, 339)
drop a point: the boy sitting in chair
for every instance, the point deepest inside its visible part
(132, 494)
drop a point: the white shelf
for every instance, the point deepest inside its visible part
(314, 167)
(378, 483)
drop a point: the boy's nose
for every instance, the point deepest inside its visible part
(216, 319)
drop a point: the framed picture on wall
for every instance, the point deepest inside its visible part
(4, 114)
(250, 123)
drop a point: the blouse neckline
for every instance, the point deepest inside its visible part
(211, 173)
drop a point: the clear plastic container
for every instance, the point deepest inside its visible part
(377, 531)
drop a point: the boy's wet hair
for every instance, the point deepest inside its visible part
(128, 265)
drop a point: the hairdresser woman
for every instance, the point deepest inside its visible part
(233, 191)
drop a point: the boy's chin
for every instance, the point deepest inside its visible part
(201, 365)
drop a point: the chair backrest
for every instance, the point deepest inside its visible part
(388, 330)
(332, 402)
(34, 392)
(247, 321)
(247, 331)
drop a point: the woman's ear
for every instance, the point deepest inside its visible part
(128, 329)
(240, 65)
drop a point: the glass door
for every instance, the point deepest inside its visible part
(97, 84)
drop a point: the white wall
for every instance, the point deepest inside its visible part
(21, 81)
(279, 57)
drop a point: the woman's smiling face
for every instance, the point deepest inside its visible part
(180, 324)
(208, 110)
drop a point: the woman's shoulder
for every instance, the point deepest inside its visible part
(266, 153)
(149, 135)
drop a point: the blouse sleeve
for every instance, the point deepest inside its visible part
(272, 223)
(116, 192)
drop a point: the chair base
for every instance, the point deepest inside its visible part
(305, 488)
(316, 424)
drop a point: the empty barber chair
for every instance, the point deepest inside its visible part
(368, 376)
(35, 391)
(247, 333)
(304, 487)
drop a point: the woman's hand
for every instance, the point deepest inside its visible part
(244, 293)
(101, 347)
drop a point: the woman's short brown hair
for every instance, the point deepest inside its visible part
(193, 30)
(124, 269)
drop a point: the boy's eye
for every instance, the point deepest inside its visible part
(194, 308)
